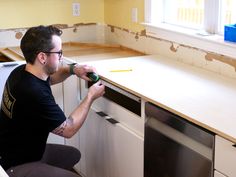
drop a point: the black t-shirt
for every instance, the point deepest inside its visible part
(28, 113)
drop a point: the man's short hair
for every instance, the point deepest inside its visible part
(38, 39)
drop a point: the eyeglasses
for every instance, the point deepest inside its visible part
(59, 53)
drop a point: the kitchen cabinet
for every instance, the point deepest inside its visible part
(67, 96)
(57, 91)
(71, 94)
(111, 148)
(225, 157)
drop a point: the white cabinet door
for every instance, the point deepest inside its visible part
(67, 96)
(109, 150)
(71, 100)
(71, 91)
(124, 151)
(92, 142)
(57, 92)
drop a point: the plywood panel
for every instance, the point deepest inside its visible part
(11, 55)
(79, 51)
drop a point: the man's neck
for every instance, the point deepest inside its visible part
(36, 71)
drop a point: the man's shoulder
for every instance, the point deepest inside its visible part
(16, 74)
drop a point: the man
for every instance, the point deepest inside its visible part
(29, 112)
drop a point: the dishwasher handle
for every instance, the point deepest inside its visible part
(108, 118)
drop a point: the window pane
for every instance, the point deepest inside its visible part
(206, 15)
(187, 13)
(227, 9)
(228, 14)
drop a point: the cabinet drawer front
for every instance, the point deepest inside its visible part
(117, 112)
(109, 150)
(125, 117)
(225, 156)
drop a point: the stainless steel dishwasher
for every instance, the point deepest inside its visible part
(174, 147)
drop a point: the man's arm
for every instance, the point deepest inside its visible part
(76, 119)
(62, 74)
(65, 71)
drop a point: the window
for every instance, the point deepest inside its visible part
(228, 15)
(192, 22)
(205, 15)
(184, 13)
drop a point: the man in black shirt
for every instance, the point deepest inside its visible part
(29, 112)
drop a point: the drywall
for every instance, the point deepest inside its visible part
(140, 41)
(118, 13)
(27, 13)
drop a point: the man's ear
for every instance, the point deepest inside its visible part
(42, 57)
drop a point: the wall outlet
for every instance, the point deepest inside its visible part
(76, 9)
(134, 15)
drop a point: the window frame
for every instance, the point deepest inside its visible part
(200, 39)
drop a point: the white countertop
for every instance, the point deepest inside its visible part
(201, 96)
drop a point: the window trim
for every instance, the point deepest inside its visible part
(188, 37)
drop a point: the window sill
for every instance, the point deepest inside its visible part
(193, 38)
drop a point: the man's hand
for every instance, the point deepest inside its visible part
(96, 90)
(82, 71)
